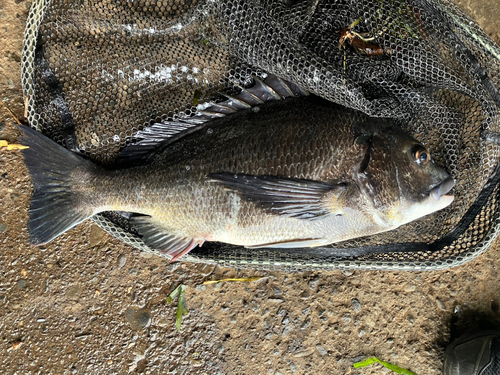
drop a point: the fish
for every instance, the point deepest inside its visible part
(257, 170)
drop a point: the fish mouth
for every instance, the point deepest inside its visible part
(444, 187)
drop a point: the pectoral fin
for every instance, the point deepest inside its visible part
(302, 199)
(157, 238)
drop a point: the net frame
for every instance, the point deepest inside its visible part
(397, 257)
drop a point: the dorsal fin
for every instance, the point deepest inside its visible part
(161, 133)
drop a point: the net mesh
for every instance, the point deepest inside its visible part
(96, 73)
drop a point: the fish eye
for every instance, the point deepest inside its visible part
(421, 155)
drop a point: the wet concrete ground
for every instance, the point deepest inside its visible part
(88, 304)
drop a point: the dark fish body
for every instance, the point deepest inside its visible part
(291, 173)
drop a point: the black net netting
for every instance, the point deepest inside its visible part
(97, 72)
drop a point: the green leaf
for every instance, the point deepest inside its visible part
(181, 307)
(196, 97)
(390, 366)
(181, 304)
(174, 293)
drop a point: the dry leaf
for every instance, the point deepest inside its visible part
(4, 143)
(15, 346)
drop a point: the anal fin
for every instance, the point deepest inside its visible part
(157, 238)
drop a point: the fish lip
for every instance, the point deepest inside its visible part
(444, 187)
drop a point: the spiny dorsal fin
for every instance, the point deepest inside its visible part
(161, 133)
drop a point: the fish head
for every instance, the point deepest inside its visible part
(401, 179)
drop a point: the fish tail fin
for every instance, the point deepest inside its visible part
(53, 208)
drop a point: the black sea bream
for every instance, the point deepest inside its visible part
(300, 172)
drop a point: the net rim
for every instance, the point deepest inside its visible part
(33, 23)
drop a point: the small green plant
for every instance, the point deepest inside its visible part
(390, 366)
(196, 97)
(181, 304)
